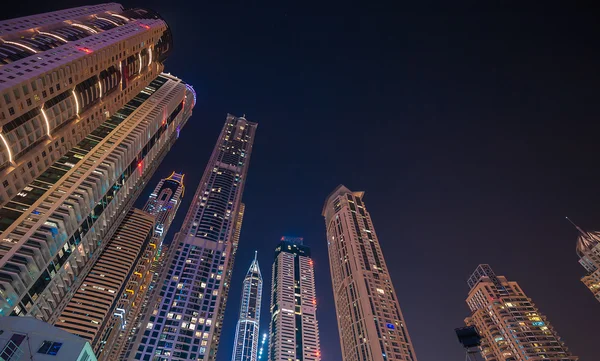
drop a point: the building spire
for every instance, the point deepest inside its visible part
(586, 240)
(576, 226)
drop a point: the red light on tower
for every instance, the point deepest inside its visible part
(85, 50)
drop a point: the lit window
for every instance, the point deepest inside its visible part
(50, 348)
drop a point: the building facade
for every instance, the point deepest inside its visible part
(63, 74)
(370, 322)
(187, 316)
(247, 332)
(108, 117)
(163, 204)
(99, 308)
(294, 330)
(588, 250)
(26, 338)
(511, 326)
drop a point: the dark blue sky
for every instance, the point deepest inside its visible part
(473, 131)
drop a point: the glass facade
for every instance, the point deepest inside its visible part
(247, 333)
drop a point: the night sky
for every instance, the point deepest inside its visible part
(473, 131)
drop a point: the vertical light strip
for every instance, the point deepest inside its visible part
(76, 102)
(7, 147)
(100, 86)
(150, 53)
(140, 56)
(47, 123)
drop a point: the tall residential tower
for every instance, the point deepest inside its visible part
(86, 118)
(370, 321)
(294, 330)
(509, 323)
(101, 306)
(247, 332)
(187, 316)
(163, 204)
(63, 74)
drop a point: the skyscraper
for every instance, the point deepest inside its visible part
(87, 118)
(64, 74)
(294, 330)
(186, 318)
(588, 250)
(247, 333)
(99, 308)
(163, 204)
(508, 321)
(370, 321)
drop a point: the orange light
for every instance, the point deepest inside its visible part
(145, 26)
(86, 50)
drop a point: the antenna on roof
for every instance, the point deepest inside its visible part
(576, 226)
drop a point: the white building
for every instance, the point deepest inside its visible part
(294, 330)
(86, 116)
(26, 338)
(511, 326)
(370, 321)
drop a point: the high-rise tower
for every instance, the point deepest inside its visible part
(86, 117)
(370, 321)
(101, 306)
(588, 250)
(247, 333)
(294, 330)
(186, 320)
(508, 321)
(163, 204)
(63, 74)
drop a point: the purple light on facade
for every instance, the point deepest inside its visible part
(191, 89)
